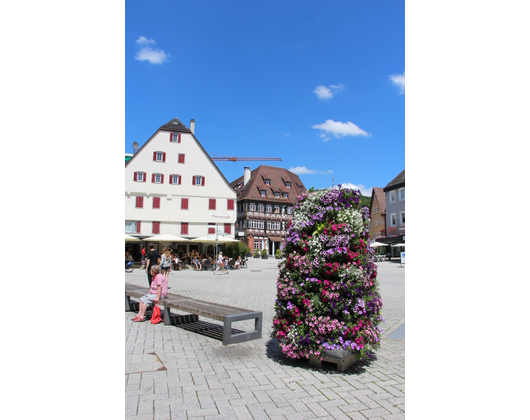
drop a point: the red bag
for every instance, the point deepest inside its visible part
(156, 317)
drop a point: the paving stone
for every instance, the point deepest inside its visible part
(254, 380)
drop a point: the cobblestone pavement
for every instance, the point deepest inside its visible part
(171, 373)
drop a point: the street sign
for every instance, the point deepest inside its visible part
(402, 258)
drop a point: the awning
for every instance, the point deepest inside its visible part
(391, 240)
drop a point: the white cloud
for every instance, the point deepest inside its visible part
(149, 54)
(339, 129)
(326, 93)
(399, 81)
(364, 191)
(302, 170)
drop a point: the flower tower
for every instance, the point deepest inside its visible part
(327, 297)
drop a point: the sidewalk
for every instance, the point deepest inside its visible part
(171, 373)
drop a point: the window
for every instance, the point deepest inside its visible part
(276, 209)
(392, 196)
(183, 228)
(267, 182)
(181, 158)
(401, 194)
(268, 208)
(228, 228)
(285, 195)
(130, 227)
(159, 156)
(230, 204)
(260, 207)
(277, 194)
(175, 179)
(273, 225)
(401, 217)
(262, 193)
(139, 202)
(377, 209)
(157, 178)
(256, 224)
(156, 227)
(174, 137)
(184, 204)
(211, 204)
(252, 207)
(156, 202)
(393, 219)
(287, 185)
(139, 176)
(198, 180)
(211, 228)
(289, 210)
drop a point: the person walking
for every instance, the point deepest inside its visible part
(152, 258)
(165, 262)
(220, 263)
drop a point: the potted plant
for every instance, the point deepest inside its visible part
(256, 253)
(328, 305)
(278, 254)
(264, 254)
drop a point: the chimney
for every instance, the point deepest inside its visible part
(192, 126)
(246, 177)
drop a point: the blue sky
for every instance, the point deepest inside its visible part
(319, 84)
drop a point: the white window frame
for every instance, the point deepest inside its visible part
(199, 178)
(289, 210)
(393, 219)
(276, 208)
(268, 208)
(140, 176)
(158, 178)
(401, 217)
(260, 207)
(277, 194)
(161, 155)
(287, 185)
(285, 195)
(252, 206)
(399, 194)
(392, 197)
(267, 182)
(262, 192)
(130, 227)
(377, 209)
(175, 179)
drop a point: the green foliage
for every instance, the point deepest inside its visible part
(264, 252)
(278, 253)
(364, 201)
(256, 253)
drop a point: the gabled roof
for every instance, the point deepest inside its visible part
(397, 182)
(278, 177)
(175, 125)
(379, 194)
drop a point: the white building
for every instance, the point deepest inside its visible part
(172, 186)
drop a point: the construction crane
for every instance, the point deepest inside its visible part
(234, 159)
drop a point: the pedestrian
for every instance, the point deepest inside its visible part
(220, 264)
(238, 263)
(176, 261)
(158, 289)
(143, 252)
(165, 262)
(152, 258)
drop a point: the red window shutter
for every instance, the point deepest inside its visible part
(164, 157)
(184, 228)
(178, 138)
(180, 180)
(193, 180)
(153, 178)
(162, 178)
(228, 228)
(184, 204)
(154, 156)
(230, 205)
(136, 176)
(171, 179)
(138, 227)
(170, 137)
(203, 180)
(145, 177)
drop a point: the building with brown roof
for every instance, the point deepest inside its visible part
(265, 200)
(377, 213)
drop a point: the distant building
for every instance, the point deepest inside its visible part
(173, 187)
(395, 205)
(265, 200)
(377, 213)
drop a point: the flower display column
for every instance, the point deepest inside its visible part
(327, 290)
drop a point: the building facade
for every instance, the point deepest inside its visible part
(265, 200)
(173, 187)
(377, 213)
(395, 205)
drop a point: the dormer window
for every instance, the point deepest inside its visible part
(285, 195)
(267, 182)
(277, 194)
(262, 192)
(287, 184)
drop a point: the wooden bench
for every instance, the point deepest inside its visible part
(226, 314)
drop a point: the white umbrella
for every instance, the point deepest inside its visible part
(398, 245)
(129, 238)
(166, 238)
(376, 244)
(206, 239)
